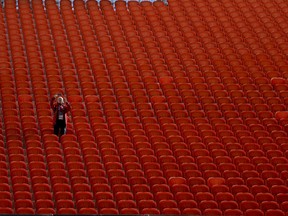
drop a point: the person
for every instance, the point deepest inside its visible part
(60, 107)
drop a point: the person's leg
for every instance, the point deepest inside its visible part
(56, 129)
(62, 130)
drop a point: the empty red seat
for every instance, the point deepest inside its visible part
(212, 212)
(275, 212)
(233, 212)
(245, 205)
(187, 204)
(106, 204)
(24, 210)
(150, 211)
(207, 204)
(163, 204)
(255, 212)
(261, 197)
(6, 210)
(191, 211)
(266, 205)
(129, 211)
(88, 211)
(219, 188)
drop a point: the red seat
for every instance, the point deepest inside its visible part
(187, 204)
(245, 205)
(272, 212)
(224, 196)
(45, 211)
(105, 204)
(108, 211)
(216, 189)
(200, 196)
(144, 204)
(233, 212)
(24, 210)
(180, 188)
(254, 181)
(150, 211)
(224, 205)
(207, 204)
(85, 203)
(212, 212)
(191, 211)
(23, 203)
(284, 206)
(254, 212)
(239, 189)
(266, 205)
(171, 211)
(129, 211)
(167, 204)
(87, 211)
(183, 196)
(276, 189)
(255, 189)
(6, 203)
(6, 210)
(242, 196)
(261, 197)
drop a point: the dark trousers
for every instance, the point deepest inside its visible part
(60, 128)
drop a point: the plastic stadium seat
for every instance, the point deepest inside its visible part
(45, 211)
(251, 212)
(284, 206)
(245, 205)
(212, 212)
(137, 128)
(25, 211)
(174, 211)
(85, 203)
(88, 211)
(67, 211)
(275, 212)
(163, 204)
(261, 197)
(228, 204)
(266, 205)
(276, 189)
(199, 188)
(216, 189)
(255, 189)
(244, 196)
(233, 212)
(191, 211)
(187, 204)
(6, 210)
(129, 211)
(183, 196)
(102, 204)
(142, 204)
(150, 211)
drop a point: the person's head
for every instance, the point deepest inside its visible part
(60, 100)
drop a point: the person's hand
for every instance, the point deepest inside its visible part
(56, 95)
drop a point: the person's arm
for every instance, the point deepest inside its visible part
(52, 101)
(67, 106)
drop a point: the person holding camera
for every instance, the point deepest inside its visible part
(60, 107)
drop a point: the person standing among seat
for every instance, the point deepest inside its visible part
(60, 107)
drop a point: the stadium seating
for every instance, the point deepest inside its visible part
(177, 108)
